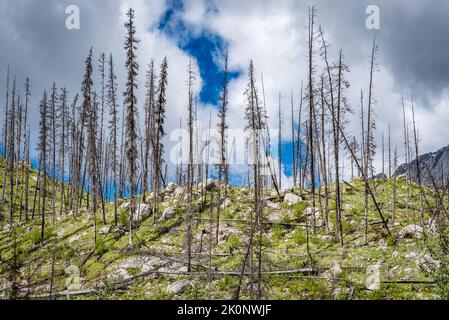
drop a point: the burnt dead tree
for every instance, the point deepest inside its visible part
(131, 115)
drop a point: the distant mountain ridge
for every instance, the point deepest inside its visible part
(433, 164)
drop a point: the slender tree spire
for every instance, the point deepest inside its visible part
(159, 133)
(131, 115)
(223, 126)
(280, 142)
(111, 88)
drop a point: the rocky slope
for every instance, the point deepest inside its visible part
(433, 166)
(69, 264)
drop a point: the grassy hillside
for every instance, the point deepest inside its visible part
(154, 268)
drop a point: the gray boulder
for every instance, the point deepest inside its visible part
(411, 231)
(226, 203)
(178, 287)
(291, 199)
(168, 213)
(142, 212)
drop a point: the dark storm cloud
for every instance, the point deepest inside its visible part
(413, 40)
(35, 42)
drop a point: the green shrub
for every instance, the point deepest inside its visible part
(234, 242)
(100, 247)
(134, 271)
(123, 219)
(391, 241)
(299, 208)
(350, 192)
(299, 236)
(278, 232)
(401, 205)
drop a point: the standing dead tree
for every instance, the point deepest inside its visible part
(256, 124)
(223, 170)
(93, 161)
(190, 169)
(111, 88)
(418, 169)
(223, 167)
(370, 147)
(293, 140)
(131, 114)
(149, 126)
(62, 115)
(324, 165)
(11, 153)
(43, 132)
(311, 41)
(5, 137)
(159, 133)
(52, 146)
(24, 197)
(338, 106)
(337, 123)
(78, 176)
(280, 141)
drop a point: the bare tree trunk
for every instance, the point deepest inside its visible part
(11, 150)
(369, 138)
(393, 214)
(389, 152)
(190, 171)
(293, 141)
(5, 140)
(280, 143)
(324, 162)
(312, 13)
(418, 169)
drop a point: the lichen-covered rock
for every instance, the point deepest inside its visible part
(179, 191)
(373, 277)
(273, 205)
(274, 193)
(125, 205)
(74, 238)
(314, 216)
(291, 199)
(411, 231)
(143, 264)
(171, 187)
(142, 212)
(226, 203)
(274, 218)
(104, 230)
(411, 255)
(178, 287)
(168, 213)
(225, 232)
(334, 272)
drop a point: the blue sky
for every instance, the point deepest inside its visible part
(206, 47)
